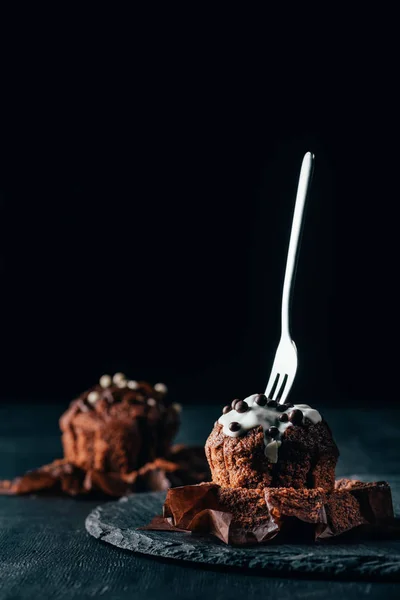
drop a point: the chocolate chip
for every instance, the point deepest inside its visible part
(272, 403)
(284, 418)
(288, 405)
(296, 417)
(234, 402)
(280, 407)
(226, 409)
(241, 407)
(261, 400)
(273, 432)
(234, 426)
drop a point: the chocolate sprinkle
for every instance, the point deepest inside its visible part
(241, 407)
(234, 426)
(226, 409)
(273, 432)
(296, 417)
(261, 400)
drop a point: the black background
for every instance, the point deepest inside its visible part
(147, 191)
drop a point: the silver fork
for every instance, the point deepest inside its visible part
(285, 363)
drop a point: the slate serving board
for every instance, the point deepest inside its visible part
(116, 523)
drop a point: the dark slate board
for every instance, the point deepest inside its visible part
(116, 523)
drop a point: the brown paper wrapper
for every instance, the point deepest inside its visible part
(243, 517)
(201, 510)
(185, 466)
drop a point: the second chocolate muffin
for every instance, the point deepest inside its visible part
(118, 425)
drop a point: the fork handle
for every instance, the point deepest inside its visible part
(294, 243)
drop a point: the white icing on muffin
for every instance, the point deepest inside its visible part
(238, 422)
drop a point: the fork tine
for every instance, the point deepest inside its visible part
(286, 390)
(282, 386)
(275, 395)
(272, 384)
(276, 387)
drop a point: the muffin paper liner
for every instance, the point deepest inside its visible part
(363, 509)
(184, 465)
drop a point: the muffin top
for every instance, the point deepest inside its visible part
(257, 411)
(118, 398)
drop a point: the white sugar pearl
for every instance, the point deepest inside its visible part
(132, 385)
(151, 402)
(161, 387)
(118, 377)
(121, 383)
(93, 397)
(105, 381)
(177, 407)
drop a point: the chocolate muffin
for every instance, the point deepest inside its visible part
(273, 469)
(118, 425)
(258, 443)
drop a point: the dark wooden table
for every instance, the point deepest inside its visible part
(45, 551)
